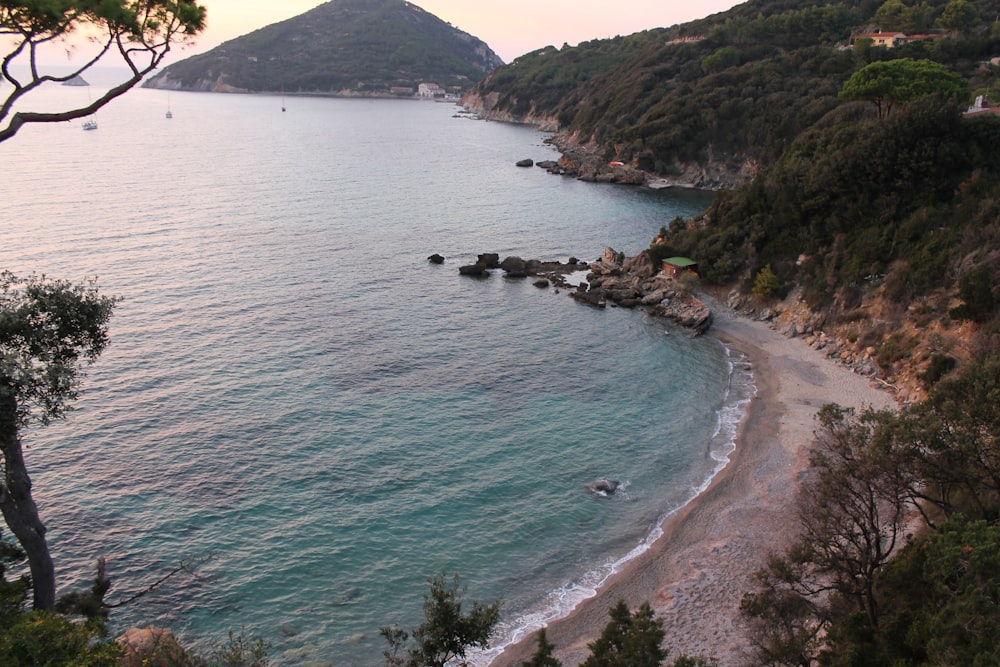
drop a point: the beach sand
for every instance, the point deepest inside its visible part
(695, 575)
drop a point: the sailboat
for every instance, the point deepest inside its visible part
(91, 122)
(169, 114)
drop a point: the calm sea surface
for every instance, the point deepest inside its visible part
(296, 402)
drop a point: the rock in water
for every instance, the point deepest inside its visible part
(603, 487)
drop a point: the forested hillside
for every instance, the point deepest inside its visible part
(851, 179)
(712, 101)
(341, 47)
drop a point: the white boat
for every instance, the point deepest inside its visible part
(90, 124)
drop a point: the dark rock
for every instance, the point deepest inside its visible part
(490, 260)
(476, 269)
(436, 259)
(527, 162)
(547, 164)
(515, 267)
(603, 487)
(541, 284)
(591, 297)
(572, 260)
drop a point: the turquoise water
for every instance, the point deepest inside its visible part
(317, 419)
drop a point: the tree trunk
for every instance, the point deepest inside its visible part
(19, 508)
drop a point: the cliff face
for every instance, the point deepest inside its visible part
(343, 47)
(488, 106)
(589, 159)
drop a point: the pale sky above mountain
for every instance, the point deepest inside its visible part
(511, 27)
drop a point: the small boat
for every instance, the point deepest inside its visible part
(169, 115)
(90, 124)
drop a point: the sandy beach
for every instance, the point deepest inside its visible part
(696, 573)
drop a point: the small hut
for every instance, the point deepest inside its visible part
(675, 267)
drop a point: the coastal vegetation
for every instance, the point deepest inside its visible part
(711, 102)
(897, 559)
(357, 47)
(446, 633)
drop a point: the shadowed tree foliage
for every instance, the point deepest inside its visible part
(48, 330)
(850, 591)
(446, 633)
(629, 639)
(136, 34)
(543, 654)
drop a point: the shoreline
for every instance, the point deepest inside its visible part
(695, 574)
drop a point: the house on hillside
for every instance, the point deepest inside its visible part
(429, 91)
(891, 39)
(675, 267)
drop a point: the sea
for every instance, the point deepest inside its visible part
(299, 418)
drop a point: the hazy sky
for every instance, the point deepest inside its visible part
(511, 27)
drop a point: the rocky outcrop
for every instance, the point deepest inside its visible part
(514, 267)
(628, 282)
(487, 107)
(637, 281)
(151, 647)
(602, 164)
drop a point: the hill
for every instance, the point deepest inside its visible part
(343, 47)
(709, 103)
(873, 234)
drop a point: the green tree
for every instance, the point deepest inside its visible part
(45, 638)
(918, 19)
(134, 33)
(446, 632)
(890, 15)
(629, 639)
(48, 330)
(766, 284)
(890, 82)
(958, 15)
(543, 654)
(951, 443)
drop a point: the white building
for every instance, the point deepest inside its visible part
(430, 90)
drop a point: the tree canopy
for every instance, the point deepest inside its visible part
(891, 82)
(139, 33)
(48, 330)
(446, 633)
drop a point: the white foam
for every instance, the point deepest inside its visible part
(562, 601)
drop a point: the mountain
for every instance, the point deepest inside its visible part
(352, 47)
